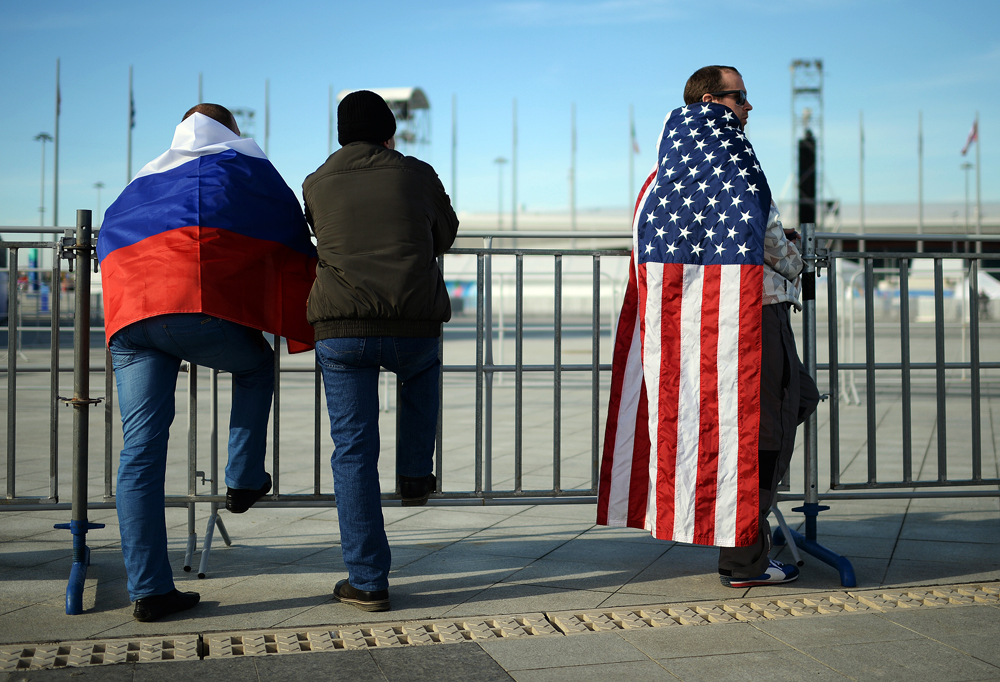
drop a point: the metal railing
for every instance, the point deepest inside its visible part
(486, 373)
(904, 368)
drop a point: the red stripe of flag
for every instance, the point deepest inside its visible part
(708, 442)
(751, 285)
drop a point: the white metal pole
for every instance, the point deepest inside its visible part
(454, 149)
(631, 158)
(861, 176)
(55, 155)
(513, 180)
(979, 205)
(572, 168)
(920, 179)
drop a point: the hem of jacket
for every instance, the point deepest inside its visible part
(770, 299)
(339, 329)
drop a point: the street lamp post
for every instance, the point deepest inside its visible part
(500, 161)
(43, 138)
(98, 186)
(33, 253)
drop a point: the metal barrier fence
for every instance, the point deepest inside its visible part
(486, 373)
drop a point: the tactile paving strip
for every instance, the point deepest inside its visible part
(75, 654)
(411, 634)
(444, 631)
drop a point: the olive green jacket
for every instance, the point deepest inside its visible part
(381, 219)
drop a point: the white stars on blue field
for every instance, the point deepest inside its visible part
(710, 200)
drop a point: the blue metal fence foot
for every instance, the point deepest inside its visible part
(842, 564)
(81, 561)
(807, 543)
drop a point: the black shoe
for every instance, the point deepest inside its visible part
(345, 593)
(238, 500)
(415, 491)
(160, 605)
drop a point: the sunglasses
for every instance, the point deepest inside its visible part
(740, 95)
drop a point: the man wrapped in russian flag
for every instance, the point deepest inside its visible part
(203, 251)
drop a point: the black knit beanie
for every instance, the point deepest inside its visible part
(363, 116)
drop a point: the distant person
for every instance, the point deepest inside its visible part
(205, 248)
(381, 220)
(706, 387)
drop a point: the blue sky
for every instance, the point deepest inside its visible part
(889, 58)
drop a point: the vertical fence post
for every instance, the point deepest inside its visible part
(13, 315)
(519, 374)
(54, 315)
(480, 322)
(811, 507)
(977, 434)
(192, 443)
(595, 376)
(557, 380)
(942, 389)
(488, 398)
(810, 436)
(904, 357)
(79, 524)
(439, 427)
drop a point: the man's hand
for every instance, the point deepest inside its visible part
(792, 235)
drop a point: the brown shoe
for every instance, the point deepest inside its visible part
(346, 593)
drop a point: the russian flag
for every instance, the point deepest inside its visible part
(208, 227)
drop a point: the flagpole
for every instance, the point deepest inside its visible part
(920, 179)
(513, 173)
(329, 121)
(454, 148)
(131, 124)
(631, 157)
(267, 115)
(572, 168)
(55, 153)
(201, 98)
(861, 183)
(979, 206)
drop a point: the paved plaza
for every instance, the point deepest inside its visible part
(524, 592)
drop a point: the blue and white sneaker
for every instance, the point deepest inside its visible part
(775, 574)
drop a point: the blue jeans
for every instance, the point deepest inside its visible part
(147, 356)
(350, 375)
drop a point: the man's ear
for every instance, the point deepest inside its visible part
(706, 97)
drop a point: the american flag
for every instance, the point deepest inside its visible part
(680, 448)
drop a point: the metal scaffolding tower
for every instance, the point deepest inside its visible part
(807, 141)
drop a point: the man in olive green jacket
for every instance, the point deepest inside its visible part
(381, 220)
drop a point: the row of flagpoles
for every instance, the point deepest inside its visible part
(633, 149)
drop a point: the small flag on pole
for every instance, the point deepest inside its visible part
(635, 142)
(973, 136)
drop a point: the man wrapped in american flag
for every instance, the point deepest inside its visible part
(707, 388)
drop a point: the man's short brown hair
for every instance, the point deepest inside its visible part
(216, 112)
(705, 79)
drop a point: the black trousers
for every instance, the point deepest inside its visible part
(787, 396)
